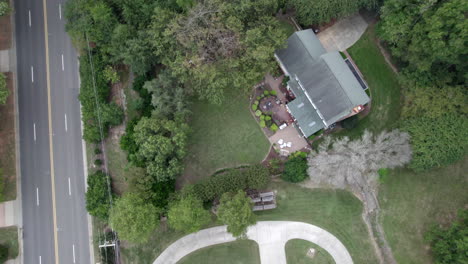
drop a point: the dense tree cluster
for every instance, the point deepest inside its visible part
(188, 215)
(429, 38)
(310, 12)
(449, 244)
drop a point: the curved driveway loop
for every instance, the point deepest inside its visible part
(271, 237)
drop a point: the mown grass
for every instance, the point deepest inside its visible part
(237, 252)
(336, 211)
(412, 202)
(296, 252)
(9, 238)
(383, 84)
(223, 136)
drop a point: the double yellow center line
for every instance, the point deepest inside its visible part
(51, 147)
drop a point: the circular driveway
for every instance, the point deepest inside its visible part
(271, 237)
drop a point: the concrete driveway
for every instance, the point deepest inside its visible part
(271, 237)
(343, 34)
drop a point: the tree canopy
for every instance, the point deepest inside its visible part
(97, 195)
(188, 215)
(235, 210)
(429, 38)
(133, 218)
(161, 146)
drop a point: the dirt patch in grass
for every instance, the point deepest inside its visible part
(7, 142)
(411, 202)
(9, 238)
(296, 252)
(5, 32)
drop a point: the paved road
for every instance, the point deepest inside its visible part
(40, 201)
(271, 237)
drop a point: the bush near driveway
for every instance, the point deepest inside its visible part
(295, 169)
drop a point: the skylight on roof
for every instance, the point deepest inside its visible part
(312, 124)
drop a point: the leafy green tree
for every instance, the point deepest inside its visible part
(449, 245)
(111, 114)
(318, 11)
(97, 195)
(188, 215)
(4, 8)
(428, 37)
(151, 190)
(133, 218)
(295, 169)
(167, 95)
(235, 211)
(437, 142)
(161, 146)
(3, 89)
(139, 54)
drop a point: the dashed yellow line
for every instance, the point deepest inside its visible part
(51, 147)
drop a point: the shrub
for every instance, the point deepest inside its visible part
(262, 123)
(268, 123)
(231, 180)
(4, 8)
(3, 253)
(97, 151)
(3, 89)
(254, 107)
(97, 195)
(449, 245)
(98, 162)
(259, 97)
(256, 102)
(273, 92)
(295, 169)
(262, 117)
(267, 117)
(350, 122)
(274, 128)
(383, 174)
(258, 113)
(266, 93)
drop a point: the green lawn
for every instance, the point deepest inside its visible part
(223, 136)
(9, 238)
(338, 212)
(383, 85)
(411, 202)
(296, 252)
(238, 252)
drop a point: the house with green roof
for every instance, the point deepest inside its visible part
(325, 87)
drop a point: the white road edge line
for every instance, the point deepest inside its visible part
(40, 260)
(69, 186)
(29, 18)
(60, 11)
(74, 253)
(37, 196)
(32, 74)
(34, 127)
(66, 125)
(63, 65)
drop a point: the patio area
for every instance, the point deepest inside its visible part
(277, 109)
(288, 140)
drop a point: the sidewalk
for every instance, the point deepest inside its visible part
(10, 211)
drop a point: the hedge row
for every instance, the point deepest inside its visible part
(254, 177)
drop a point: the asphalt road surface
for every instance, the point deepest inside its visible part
(55, 223)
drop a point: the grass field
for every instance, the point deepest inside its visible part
(7, 145)
(338, 212)
(223, 136)
(412, 202)
(9, 238)
(383, 85)
(296, 252)
(238, 252)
